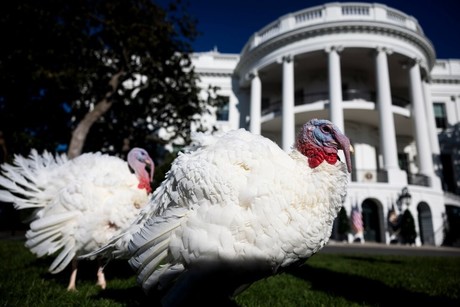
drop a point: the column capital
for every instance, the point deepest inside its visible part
(416, 61)
(252, 74)
(387, 50)
(336, 48)
(428, 79)
(285, 58)
(408, 63)
(288, 58)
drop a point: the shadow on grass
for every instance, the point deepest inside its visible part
(371, 260)
(363, 290)
(207, 283)
(133, 296)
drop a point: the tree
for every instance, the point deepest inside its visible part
(108, 75)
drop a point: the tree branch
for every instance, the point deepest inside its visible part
(81, 131)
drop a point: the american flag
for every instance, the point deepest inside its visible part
(356, 220)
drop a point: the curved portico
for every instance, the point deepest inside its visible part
(326, 61)
(366, 68)
(372, 71)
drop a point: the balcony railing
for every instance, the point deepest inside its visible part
(369, 175)
(347, 95)
(351, 94)
(333, 13)
(418, 179)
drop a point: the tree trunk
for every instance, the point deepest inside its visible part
(81, 131)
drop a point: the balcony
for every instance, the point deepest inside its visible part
(333, 13)
(418, 179)
(380, 176)
(347, 95)
(369, 176)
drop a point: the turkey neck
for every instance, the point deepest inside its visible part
(329, 179)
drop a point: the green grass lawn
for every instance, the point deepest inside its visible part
(325, 280)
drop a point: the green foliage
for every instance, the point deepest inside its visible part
(59, 60)
(324, 280)
(360, 280)
(32, 285)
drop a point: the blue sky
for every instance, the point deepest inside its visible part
(229, 24)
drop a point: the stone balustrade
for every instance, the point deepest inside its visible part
(333, 13)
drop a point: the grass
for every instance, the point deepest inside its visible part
(325, 280)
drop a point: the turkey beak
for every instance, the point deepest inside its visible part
(345, 145)
(149, 161)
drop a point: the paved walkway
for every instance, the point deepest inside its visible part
(334, 247)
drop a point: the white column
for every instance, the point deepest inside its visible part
(388, 144)
(384, 103)
(431, 122)
(433, 136)
(425, 162)
(335, 87)
(456, 102)
(288, 119)
(256, 104)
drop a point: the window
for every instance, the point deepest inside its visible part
(265, 103)
(448, 173)
(403, 161)
(223, 109)
(440, 115)
(298, 97)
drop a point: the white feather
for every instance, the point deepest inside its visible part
(64, 257)
(243, 200)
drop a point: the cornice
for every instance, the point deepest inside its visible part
(344, 27)
(214, 74)
(444, 81)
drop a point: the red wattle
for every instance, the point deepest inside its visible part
(144, 184)
(331, 158)
(316, 155)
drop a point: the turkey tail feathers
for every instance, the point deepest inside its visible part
(115, 248)
(18, 185)
(60, 219)
(64, 257)
(39, 242)
(45, 238)
(26, 179)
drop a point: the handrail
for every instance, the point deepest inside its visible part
(333, 12)
(347, 95)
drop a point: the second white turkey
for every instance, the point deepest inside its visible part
(80, 203)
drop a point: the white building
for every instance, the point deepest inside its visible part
(371, 70)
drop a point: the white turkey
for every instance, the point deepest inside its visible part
(234, 209)
(80, 203)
